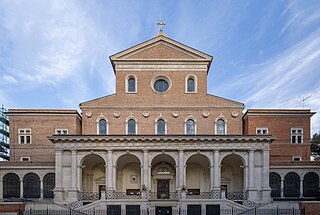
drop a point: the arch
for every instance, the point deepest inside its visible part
(190, 125)
(160, 126)
(209, 159)
(191, 84)
(102, 125)
(232, 173)
(310, 185)
(197, 174)
(220, 125)
(93, 173)
(48, 185)
(292, 185)
(31, 186)
(128, 174)
(131, 84)
(84, 157)
(241, 157)
(275, 184)
(170, 156)
(11, 186)
(131, 126)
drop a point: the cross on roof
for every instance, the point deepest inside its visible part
(161, 23)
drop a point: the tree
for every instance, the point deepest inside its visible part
(315, 144)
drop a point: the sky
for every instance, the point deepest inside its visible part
(55, 53)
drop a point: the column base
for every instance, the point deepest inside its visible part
(58, 195)
(252, 194)
(266, 194)
(72, 195)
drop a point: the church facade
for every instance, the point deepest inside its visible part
(160, 145)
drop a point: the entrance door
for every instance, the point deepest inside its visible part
(101, 188)
(163, 189)
(163, 210)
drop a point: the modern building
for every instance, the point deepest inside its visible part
(4, 135)
(160, 145)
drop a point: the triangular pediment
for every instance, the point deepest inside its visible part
(161, 48)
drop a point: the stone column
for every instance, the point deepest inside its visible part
(266, 190)
(301, 187)
(282, 188)
(58, 190)
(1, 189)
(181, 168)
(41, 189)
(252, 191)
(110, 171)
(73, 192)
(146, 173)
(216, 171)
(21, 188)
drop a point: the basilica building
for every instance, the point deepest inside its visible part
(159, 145)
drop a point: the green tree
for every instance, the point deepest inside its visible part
(315, 144)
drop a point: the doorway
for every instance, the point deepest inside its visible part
(163, 210)
(163, 189)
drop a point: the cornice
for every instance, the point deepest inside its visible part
(167, 142)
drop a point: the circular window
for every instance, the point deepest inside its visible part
(161, 85)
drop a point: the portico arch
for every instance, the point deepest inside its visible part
(232, 173)
(198, 174)
(163, 173)
(128, 176)
(93, 173)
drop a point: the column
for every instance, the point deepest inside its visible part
(110, 170)
(146, 173)
(211, 177)
(21, 188)
(58, 190)
(252, 190)
(1, 189)
(181, 168)
(73, 193)
(301, 187)
(266, 190)
(216, 171)
(282, 188)
(251, 169)
(41, 189)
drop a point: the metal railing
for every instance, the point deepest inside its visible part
(165, 196)
(205, 195)
(122, 195)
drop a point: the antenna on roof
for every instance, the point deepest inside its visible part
(304, 99)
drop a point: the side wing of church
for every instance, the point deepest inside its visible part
(160, 145)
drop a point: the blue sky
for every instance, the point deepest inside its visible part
(54, 54)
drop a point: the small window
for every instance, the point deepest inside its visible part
(161, 127)
(131, 127)
(24, 136)
(262, 131)
(190, 127)
(25, 159)
(191, 84)
(296, 158)
(102, 127)
(220, 127)
(296, 135)
(61, 131)
(131, 85)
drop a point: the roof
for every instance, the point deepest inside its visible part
(278, 112)
(188, 54)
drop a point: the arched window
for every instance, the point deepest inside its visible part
(310, 185)
(102, 126)
(220, 127)
(190, 85)
(292, 185)
(131, 84)
(275, 184)
(48, 185)
(190, 126)
(31, 186)
(132, 127)
(11, 186)
(161, 127)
